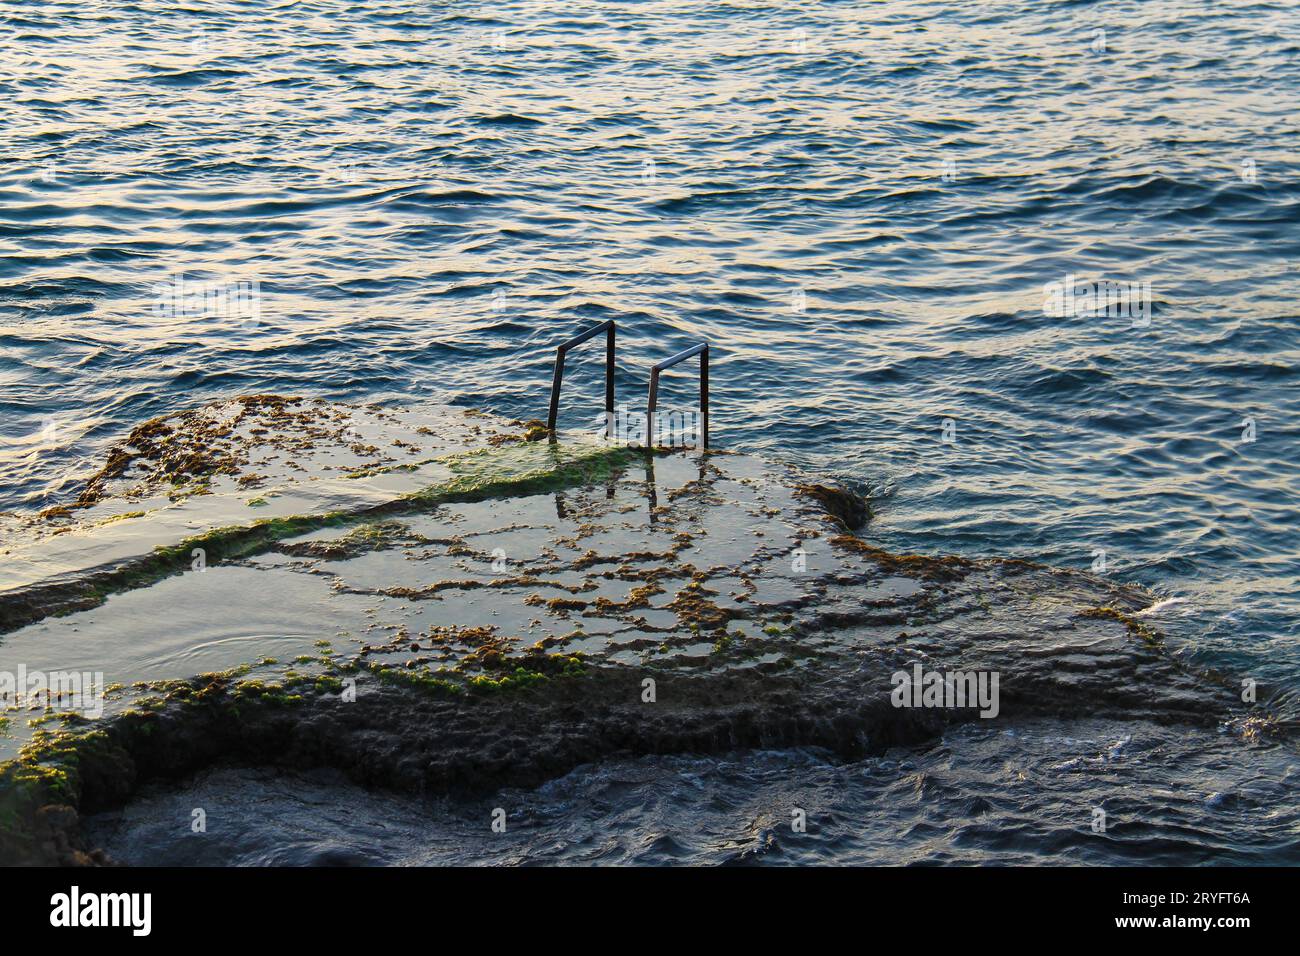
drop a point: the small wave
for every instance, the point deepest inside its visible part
(508, 120)
(188, 78)
(1161, 606)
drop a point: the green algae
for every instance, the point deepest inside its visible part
(113, 519)
(280, 695)
(519, 470)
(530, 671)
(57, 764)
(328, 684)
(387, 469)
(518, 678)
(371, 536)
(423, 680)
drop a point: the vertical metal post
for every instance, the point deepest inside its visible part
(609, 381)
(555, 391)
(704, 396)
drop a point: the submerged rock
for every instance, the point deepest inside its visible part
(505, 610)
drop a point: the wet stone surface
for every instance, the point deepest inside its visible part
(507, 613)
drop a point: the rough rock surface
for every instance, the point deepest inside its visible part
(499, 618)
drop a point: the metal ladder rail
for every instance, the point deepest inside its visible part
(608, 327)
(702, 350)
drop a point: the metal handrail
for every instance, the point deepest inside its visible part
(702, 349)
(608, 327)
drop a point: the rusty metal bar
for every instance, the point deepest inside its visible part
(607, 327)
(702, 350)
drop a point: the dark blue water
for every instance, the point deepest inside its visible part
(858, 206)
(970, 799)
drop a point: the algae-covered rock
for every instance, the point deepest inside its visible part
(501, 612)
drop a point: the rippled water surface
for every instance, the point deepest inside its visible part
(857, 205)
(978, 796)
